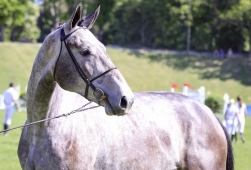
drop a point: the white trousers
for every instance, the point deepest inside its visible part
(8, 113)
(241, 126)
(232, 126)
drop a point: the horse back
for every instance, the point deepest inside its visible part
(191, 127)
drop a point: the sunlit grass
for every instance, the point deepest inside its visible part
(149, 71)
(242, 151)
(8, 144)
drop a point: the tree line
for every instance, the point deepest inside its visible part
(201, 25)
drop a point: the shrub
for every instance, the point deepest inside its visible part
(215, 103)
(23, 96)
(22, 100)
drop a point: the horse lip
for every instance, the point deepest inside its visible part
(108, 108)
(112, 110)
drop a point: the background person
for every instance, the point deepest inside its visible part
(10, 102)
(242, 115)
(222, 53)
(230, 53)
(231, 117)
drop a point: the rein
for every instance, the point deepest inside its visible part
(82, 108)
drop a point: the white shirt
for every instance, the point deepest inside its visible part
(231, 113)
(241, 111)
(9, 96)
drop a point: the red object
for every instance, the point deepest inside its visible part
(187, 84)
(174, 85)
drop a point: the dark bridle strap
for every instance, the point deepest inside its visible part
(64, 37)
(102, 74)
(87, 87)
(82, 74)
(88, 82)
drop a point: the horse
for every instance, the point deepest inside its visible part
(141, 130)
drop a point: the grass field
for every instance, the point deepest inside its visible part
(8, 144)
(146, 71)
(9, 159)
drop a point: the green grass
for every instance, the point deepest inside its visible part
(16, 61)
(146, 71)
(9, 144)
(242, 151)
(157, 71)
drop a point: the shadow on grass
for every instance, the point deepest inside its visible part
(206, 67)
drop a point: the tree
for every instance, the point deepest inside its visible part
(240, 13)
(29, 28)
(52, 13)
(11, 14)
(185, 9)
(105, 18)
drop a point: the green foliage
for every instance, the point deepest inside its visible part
(23, 96)
(239, 15)
(215, 103)
(29, 28)
(201, 25)
(11, 12)
(18, 20)
(164, 24)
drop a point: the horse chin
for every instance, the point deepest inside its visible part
(109, 110)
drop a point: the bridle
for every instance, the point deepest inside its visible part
(88, 82)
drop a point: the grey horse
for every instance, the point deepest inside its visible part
(145, 131)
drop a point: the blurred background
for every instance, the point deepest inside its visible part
(210, 39)
(200, 48)
(200, 25)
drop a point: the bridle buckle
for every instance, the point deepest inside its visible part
(98, 94)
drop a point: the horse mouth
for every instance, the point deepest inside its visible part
(110, 110)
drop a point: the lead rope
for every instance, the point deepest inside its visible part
(82, 108)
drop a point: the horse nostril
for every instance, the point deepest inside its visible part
(123, 103)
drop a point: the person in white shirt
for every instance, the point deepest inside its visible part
(231, 118)
(242, 115)
(10, 101)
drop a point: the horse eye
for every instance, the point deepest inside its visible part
(84, 52)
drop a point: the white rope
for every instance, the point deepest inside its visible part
(82, 108)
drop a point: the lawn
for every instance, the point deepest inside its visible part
(146, 70)
(9, 144)
(242, 151)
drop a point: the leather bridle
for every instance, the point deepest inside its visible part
(88, 81)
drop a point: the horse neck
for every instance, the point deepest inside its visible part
(41, 84)
(45, 98)
(49, 100)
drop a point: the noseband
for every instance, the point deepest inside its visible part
(88, 82)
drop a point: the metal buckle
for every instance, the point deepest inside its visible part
(98, 94)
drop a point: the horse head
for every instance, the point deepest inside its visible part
(84, 67)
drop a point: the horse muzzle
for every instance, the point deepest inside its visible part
(121, 108)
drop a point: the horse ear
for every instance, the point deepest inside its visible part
(90, 19)
(75, 17)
